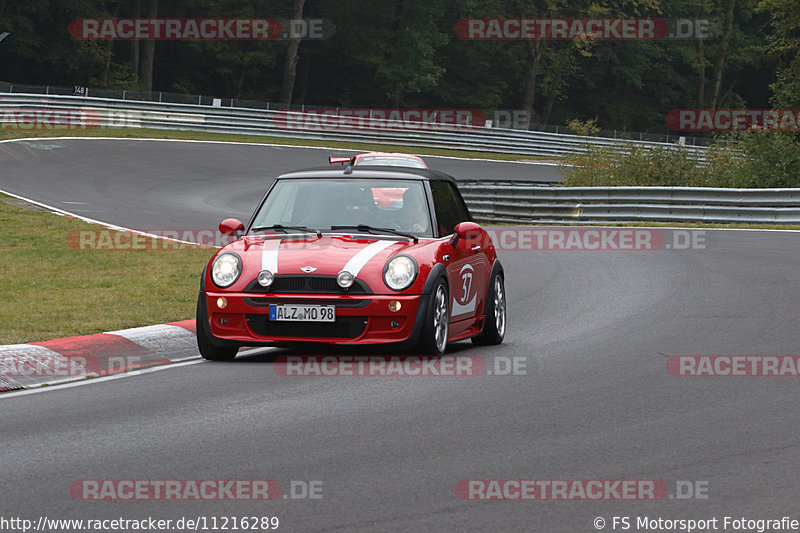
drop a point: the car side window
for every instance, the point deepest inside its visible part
(450, 210)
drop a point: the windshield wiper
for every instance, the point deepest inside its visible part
(281, 227)
(372, 229)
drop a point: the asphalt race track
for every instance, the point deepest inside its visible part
(181, 185)
(595, 401)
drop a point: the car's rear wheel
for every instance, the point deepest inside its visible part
(206, 342)
(494, 322)
(437, 321)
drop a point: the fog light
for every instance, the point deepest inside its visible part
(394, 306)
(223, 320)
(265, 278)
(222, 303)
(395, 324)
(345, 279)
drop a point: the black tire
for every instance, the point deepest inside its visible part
(208, 344)
(494, 322)
(437, 321)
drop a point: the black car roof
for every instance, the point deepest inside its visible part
(370, 171)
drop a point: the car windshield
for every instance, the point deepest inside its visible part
(316, 203)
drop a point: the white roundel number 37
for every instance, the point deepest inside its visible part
(466, 285)
(463, 304)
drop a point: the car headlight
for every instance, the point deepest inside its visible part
(265, 278)
(345, 279)
(400, 272)
(225, 270)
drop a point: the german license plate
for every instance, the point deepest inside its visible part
(302, 313)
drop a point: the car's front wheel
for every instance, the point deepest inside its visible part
(205, 340)
(437, 321)
(494, 322)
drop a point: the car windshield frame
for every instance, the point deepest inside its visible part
(346, 201)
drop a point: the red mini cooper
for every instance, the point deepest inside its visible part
(364, 254)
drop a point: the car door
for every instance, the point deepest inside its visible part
(468, 269)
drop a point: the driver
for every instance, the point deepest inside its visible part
(415, 216)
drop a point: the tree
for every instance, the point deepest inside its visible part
(149, 53)
(290, 65)
(409, 63)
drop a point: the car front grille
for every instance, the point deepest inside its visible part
(264, 301)
(345, 327)
(299, 284)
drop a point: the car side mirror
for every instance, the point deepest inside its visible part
(465, 232)
(231, 226)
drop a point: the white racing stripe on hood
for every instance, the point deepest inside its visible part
(357, 262)
(269, 255)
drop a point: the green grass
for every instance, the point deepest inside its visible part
(51, 289)
(143, 133)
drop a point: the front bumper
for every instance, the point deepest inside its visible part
(360, 319)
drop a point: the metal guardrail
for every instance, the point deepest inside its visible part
(502, 115)
(106, 112)
(522, 202)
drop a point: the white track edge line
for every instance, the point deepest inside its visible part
(107, 225)
(54, 386)
(103, 379)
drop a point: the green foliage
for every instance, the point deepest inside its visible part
(786, 89)
(405, 53)
(749, 159)
(633, 166)
(584, 127)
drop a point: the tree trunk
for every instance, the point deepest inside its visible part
(722, 56)
(701, 64)
(701, 74)
(290, 66)
(109, 53)
(535, 55)
(136, 13)
(305, 66)
(107, 63)
(149, 52)
(561, 63)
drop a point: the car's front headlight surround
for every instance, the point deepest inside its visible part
(226, 269)
(400, 272)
